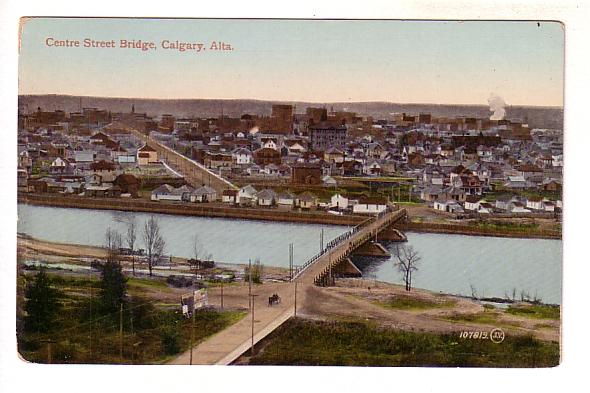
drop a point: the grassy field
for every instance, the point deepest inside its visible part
(320, 343)
(153, 330)
(401, 302)
(506, 226)
(502, 192)
(539, 311)
(487, 317)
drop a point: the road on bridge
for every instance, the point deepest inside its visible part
(227, 345)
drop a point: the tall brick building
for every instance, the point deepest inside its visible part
(282, 118)
(316, 115)
(325, 135)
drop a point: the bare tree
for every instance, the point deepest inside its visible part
(255, 274)
(407, 261)
(153, 240)
(197, 254)
(131, 237)
(200, 255)
(159, 246)
(113, 243)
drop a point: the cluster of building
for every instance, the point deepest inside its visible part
(84, 154)
(512, 205)
(249, 196)
(449, 160)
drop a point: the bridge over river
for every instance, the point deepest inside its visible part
(227, 345)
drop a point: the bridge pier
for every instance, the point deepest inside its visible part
(361, 240)
(340, 268)
(392, 234)
(372, 249)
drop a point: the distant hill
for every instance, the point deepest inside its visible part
(537, 117)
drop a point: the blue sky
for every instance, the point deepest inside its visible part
(397, 61)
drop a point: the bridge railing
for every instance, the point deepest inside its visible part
(345, 236)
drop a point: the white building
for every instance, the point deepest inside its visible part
(242, 156)
(285, 200)
(165, 193)
(370, 206)
(338, 201)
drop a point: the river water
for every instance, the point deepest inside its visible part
(230, 241)
(483, 266)
(488, 266)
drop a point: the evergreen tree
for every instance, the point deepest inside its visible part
(42, 304)
(113, 286)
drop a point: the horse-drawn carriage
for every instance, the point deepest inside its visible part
(274, 299)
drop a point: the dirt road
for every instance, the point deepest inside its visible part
(227, 345)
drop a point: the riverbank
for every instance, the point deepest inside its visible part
(428, 220)
(190, 209)
(382, 305)
(473, 230)
(391, 306)
(64, 255)
(277, 215)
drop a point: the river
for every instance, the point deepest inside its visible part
(488, 266)
(230, 241)
(478, 265)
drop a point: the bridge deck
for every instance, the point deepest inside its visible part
(226, 346)
(347, 246)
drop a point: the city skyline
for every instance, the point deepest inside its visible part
(437, 62)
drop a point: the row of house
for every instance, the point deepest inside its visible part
(248, 196)
(509, 204)
(184, 193)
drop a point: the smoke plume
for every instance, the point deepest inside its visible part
(497, 106)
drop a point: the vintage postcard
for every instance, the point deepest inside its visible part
(290, 192)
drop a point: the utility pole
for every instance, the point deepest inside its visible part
(133, 351)
(291, 261)
(131, 328)
(252, 323)
(192, 331)
(252, 326)
(322, 240)
(249, 283)
(48, 342)
(49, 353)
(90, 324)
(121, 332)
(222, 294)
(330, 268)
(295, 303)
